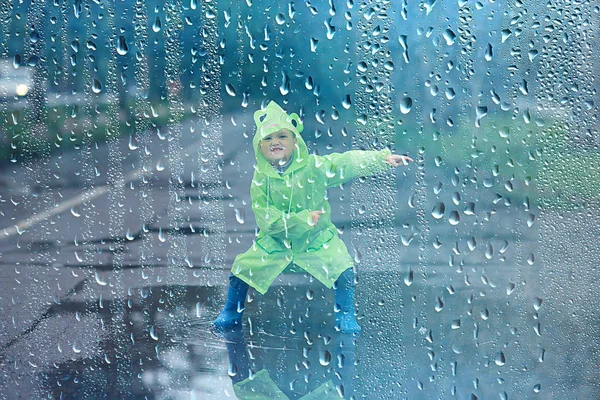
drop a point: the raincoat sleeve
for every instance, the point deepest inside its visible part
(342, 167)
(275, 222)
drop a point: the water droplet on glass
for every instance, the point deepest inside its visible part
(230, 90)
(239, 215)
(438, 210)
(314, 43)
(530, 220)
(456, 198)
(132, 143)
(153, 333)
(324, 357)
(99, 280)
(429, 4)
(532, 54)
(510, 289)
(537, 303)
(161, 235)
(530, 259)
(439, 304)
(129, 236)
(470, 208)
(34, 36)
(542, 355)
(406, 239)
(480, 112)
(489, 52)
(157, 25)
(500, 359)
(122, 47)
(232, 370)
(409, 277)
(330, 29)
(523, 87)
(489, 251)
(454, 218)
(346, 102)
(284, 88)
(471, 243)
(96, 86)
(485, 314)
(449, 37)
(280, 19)
(406, 105)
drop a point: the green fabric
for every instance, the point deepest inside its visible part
(261, 387)
(258, 387)
(326, 391)
(282, 206)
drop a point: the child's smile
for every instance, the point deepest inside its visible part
(278, 146)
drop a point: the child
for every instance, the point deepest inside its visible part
(289, 202)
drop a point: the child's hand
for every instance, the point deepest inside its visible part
(315, 215)
(396, 160)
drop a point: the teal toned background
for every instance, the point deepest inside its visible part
(126, 160)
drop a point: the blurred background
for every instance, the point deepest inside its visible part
(126, 161)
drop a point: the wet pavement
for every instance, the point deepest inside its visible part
(110, 291)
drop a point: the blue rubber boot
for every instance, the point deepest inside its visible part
(345, 320)
(239, 364)
(231, 315)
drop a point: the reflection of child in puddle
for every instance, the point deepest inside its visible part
(289, 201)
(284, 371)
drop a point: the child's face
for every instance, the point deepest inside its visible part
(278, 146)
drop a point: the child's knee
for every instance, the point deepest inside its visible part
(237, 283)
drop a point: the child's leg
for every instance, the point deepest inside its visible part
(231, 315)
(344, 303)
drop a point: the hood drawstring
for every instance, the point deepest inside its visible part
(268, 196)
(283, 215)
(291, 194)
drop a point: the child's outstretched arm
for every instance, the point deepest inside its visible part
(342, 167)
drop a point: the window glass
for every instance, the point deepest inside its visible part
(130, 189)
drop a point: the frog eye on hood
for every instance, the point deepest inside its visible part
(273, 117)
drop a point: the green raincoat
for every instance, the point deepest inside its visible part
(282, 206)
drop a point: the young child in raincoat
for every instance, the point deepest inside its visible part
(289, 201)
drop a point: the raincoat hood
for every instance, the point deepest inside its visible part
(272, 119)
